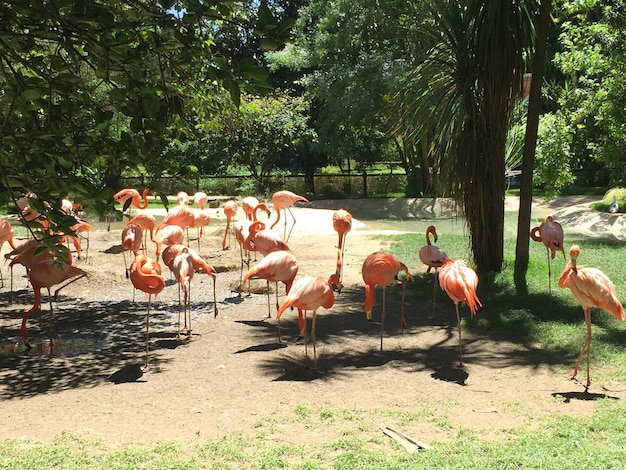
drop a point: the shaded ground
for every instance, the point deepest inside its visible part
(233, 374)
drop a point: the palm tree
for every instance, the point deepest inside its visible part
(464, 89)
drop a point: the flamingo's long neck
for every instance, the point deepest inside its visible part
(144, 205)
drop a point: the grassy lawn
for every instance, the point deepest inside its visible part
(562, 442)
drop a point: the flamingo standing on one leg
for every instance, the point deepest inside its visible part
(592, 288)
(230, 209)
(310, 293)
(460, 283)
(382, 269)
(550, 233)
(145, 275)
(47, 273)
(284, 200)
(432, 256)
(342, 223)
(276, 266)
(6, 235)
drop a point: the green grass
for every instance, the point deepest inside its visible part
(553, 323)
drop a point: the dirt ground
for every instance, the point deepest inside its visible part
(234, 374)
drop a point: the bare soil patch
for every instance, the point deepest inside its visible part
(233, 375)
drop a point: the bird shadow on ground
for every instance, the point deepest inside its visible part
(584, 395)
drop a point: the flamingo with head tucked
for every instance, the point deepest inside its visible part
(550, 233)
(432, 256)
(251, 206)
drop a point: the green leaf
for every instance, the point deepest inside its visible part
(32, 94)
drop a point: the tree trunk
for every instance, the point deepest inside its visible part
(530, 143)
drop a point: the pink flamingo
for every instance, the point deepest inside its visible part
(145, 275)
(432, 256)
(284, 200)
(278, 266)
(342, 223)
(182, 267)
(6, 235)
(200, 199)
(550, 233)
(310, 293)
(460, 283)
(201, 220)
(124, 195)
(230, 209)
(592, 288)
(251, 206)
(381, 269)
(264, 240)
(47, 273)
(147, 223)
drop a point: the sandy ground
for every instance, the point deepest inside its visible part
(233, 375)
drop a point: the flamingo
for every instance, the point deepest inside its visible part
(182, 198)
(80, 227)
(592, 288)
(230, 209)
(27, 212)
(170, 235)
(264, 240)
(251, 206)
(382, 269)
(147, 223)
(124, 195)
(460, 283)
(242, 234)
(310, 293)
(181, 215)
(199, 266)
(131, 241)
(550, 233)
(284, 200)
(276, 266)
(67, 206)
(432, 256)
(342, 223)
(201, 220)
(47, 273)
(182, 267)
(200, 199)
(146, 277)
(6, 235)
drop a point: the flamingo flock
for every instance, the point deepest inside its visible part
(279, 264)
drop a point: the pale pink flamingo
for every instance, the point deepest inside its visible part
(310, 293)
(81, 227)
(592, 288)
(27, 212)
(381, 269)
(182, 198)
(460, 283)
(145, 275)
(550, 233)
(181, 215)
(230, 210)
(278, 266)
(432, 256)
(201, 220)
(242, 235)
(170, 235)
(284, 200)
(200, 199)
